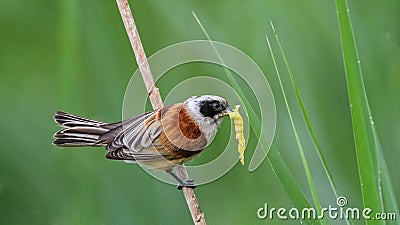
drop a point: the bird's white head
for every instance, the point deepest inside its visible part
(207, 109)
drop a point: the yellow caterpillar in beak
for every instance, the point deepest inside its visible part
(238, 122)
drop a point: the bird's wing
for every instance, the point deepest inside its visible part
(133, 138)
(142, 137)
(135, 133)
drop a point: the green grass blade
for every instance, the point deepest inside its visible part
(360, 113)
(388, 197)
(306, 116)
(288, 182)
(285, 177)
(299, 145)
(254, 120)
(307, 120)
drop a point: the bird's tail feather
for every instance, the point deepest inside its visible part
(78, 131)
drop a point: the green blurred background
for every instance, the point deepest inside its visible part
(75, 56)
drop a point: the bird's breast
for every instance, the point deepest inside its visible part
(181, 130)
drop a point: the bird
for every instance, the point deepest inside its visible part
(160, 139)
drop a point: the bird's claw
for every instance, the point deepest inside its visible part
(186, 183)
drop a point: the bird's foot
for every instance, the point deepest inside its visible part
(186, 183)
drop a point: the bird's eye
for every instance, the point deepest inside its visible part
(216, 105)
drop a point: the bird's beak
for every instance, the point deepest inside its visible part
(227, 111)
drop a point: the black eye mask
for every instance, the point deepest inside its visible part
(211, 108)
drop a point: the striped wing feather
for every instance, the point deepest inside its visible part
(141, 138)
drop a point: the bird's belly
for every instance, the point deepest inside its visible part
(163, 164)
